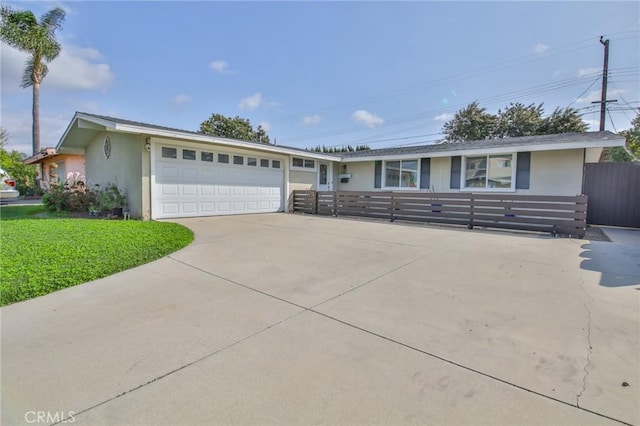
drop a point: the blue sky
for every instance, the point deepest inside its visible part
(326, 73)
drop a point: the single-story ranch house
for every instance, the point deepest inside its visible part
(169, 173)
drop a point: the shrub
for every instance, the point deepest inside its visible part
(73, 196)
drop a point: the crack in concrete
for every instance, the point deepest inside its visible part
(586, 366)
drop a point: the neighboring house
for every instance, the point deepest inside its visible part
(168, 173)
(55, 165)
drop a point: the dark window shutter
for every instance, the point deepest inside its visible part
(456, 166)
(377, 182)
(425, 173)
(523, 170)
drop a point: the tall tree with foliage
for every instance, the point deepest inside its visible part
(619, 154)
(334, 150)
(474, 123)
(21, 30)
(470, 123)
(233, 128)
(518, 120)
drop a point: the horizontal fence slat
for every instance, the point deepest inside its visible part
(561, 214)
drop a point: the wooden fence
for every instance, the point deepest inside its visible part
(554, 214)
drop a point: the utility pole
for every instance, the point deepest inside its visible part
(603, 93)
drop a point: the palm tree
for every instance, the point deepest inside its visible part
(21, 30)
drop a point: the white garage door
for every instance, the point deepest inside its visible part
(202, 182)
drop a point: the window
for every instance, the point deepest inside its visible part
(275, 164)
(223, 158)
(252, 161)
(401, 174)
(169, 152)
(238, 159)
(303, 163)
(489, 172)
(188, 154)
(264, 162)
(206, 156)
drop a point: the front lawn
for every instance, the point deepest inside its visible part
(42, 256)
(23, 212)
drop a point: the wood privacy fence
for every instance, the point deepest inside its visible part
(554, 214)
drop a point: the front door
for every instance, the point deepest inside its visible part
(324, 177)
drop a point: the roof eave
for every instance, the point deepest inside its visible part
(604, 143)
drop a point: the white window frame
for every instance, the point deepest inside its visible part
(463, 180)
(400, 188)
(304, 169)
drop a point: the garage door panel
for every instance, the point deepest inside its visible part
(189, 208)
(207, 190)
(185, 187)
(190, 190)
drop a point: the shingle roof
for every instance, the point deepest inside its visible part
(488, 143)
(173, 129)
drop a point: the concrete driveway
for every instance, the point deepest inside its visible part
(288, 319)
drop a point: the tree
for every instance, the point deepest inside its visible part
(474, 123)
(334, 150)
(618, 154)
(470, 123)
(12, 163)
(21, 30)
(563, 121)
(518, 120)
(233, 128)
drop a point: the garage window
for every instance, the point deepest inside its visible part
(275, 164)
(169, 152)
(188, 154)
(252, 161)
(206, 156)
(238, 160)
(223, 158)
(264, 162)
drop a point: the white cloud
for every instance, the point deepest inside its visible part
(78, 68)
(588, 71)
(540, 47)
(594, 96)
(367, 118)
(181, 99)
(18, 124)
(265, 125)
(593, 124)
(311, 120)
(443, 117)
(221, 67)
(250, 102)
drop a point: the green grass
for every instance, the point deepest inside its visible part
(42, 256)
(23, 212)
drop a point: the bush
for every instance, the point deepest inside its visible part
(73, 196)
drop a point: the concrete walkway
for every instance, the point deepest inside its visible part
(288, 319)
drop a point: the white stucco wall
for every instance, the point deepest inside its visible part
(362, 176)
(555, 173)
(123, 166)
(552, 173)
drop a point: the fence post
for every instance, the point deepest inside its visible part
(335, 203)
(315, 202)
(393, 207)
(470, 225)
